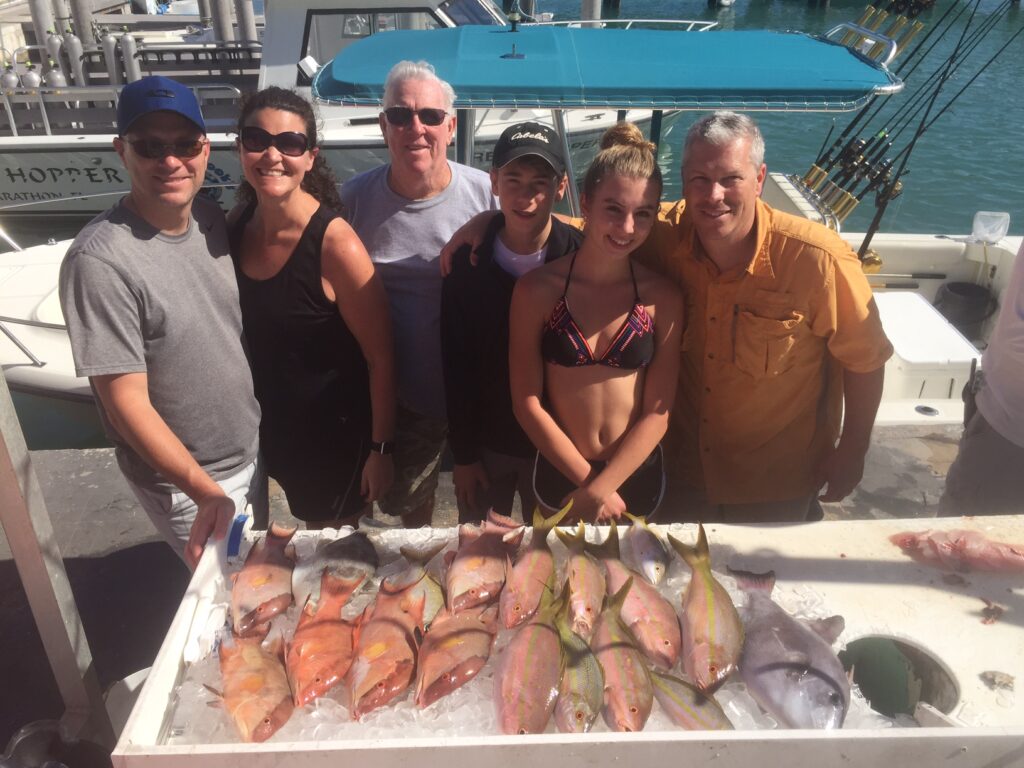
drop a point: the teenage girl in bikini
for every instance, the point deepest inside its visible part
(594, 347)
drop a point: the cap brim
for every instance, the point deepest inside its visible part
(556, 163)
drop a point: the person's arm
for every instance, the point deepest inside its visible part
(363, 305)
(658, 395)
(125, 399)
(843, 467)
(526, 380)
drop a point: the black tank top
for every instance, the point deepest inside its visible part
(308, 369)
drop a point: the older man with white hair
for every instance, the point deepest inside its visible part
(404, 212)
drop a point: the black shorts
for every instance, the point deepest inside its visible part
(321, 482)
(642, 491)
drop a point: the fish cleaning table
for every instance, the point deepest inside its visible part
(852, 565)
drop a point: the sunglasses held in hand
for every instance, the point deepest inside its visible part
(289, 143)
(158, 150)
(402, 116)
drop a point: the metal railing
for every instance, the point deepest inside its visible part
(690, 25)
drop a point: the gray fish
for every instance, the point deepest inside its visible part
(788, 665)
(644, 551)
(346, 555)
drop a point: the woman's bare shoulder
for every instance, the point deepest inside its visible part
(654, 287)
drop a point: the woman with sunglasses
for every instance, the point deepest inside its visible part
(594, 347)
(316, 319)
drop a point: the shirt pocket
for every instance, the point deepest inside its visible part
(765, 345)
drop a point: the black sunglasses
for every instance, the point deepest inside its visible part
(158, 150)
(402, 116)
(289, 143)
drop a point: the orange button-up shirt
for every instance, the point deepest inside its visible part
(760, 382)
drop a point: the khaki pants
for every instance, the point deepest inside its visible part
(987, 477)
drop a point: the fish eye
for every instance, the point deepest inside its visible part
(579, 715)
(835, 699)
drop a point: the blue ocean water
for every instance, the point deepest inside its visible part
(971, 159)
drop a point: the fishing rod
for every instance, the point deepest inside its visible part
(859, 156)
(919, 96)
(891, 187)
(824, 157)
(957, 95)
(874, 148)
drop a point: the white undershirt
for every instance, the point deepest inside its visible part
(517, 264)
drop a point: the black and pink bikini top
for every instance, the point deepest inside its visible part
(563, 343)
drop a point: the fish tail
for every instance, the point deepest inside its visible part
(422, 553)
(697, 556)
(547, 523)
(754, 582)
(636, 519)
(616, 601)
(609, 548)
(574, 542)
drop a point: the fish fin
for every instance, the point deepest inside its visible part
(574, 542)
(615, 602)
(545, 524)
(695, 556)
(753, 582)
(215, 692)
(502, 521)
(422, 553)
(828, 629)
(607, 549)
(512, 539)
(635, 519)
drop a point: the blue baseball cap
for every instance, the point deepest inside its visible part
(155, 94)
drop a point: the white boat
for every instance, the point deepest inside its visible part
(55, 143)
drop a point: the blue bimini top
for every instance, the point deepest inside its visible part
(568, 67)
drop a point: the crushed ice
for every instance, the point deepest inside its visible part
(197, 718)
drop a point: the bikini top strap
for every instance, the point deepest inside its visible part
(568, 275)
(636, 291)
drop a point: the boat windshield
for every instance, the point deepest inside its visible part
(330, 31)
(463, 12)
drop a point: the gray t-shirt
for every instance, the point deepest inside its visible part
(136, 300)
(404, 238)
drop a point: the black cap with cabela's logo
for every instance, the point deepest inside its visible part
(524, 139)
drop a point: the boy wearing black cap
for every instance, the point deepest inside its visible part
(149, 294)
(493, 456)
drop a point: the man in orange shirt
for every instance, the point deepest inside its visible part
(783, 342)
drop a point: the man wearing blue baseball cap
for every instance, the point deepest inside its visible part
(151, 303)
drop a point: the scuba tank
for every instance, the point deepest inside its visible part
(132, 69)
(54, 77)
(9, 80)
(109, 44)
(30, 78)
(74, 50)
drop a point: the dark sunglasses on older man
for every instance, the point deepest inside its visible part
(158, 150)
(402, 116)
(289, 143)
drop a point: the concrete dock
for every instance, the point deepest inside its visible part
(127, 583)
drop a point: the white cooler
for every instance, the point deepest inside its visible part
(932, 359)
(852, 565)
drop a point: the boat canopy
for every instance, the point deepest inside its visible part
(563, 67)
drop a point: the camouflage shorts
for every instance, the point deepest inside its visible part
(419, 443)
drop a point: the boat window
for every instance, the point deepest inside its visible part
(472, 12)
(328, 32)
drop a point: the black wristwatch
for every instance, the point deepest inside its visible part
(384, 447)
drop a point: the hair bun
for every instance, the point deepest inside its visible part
(626, 134)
